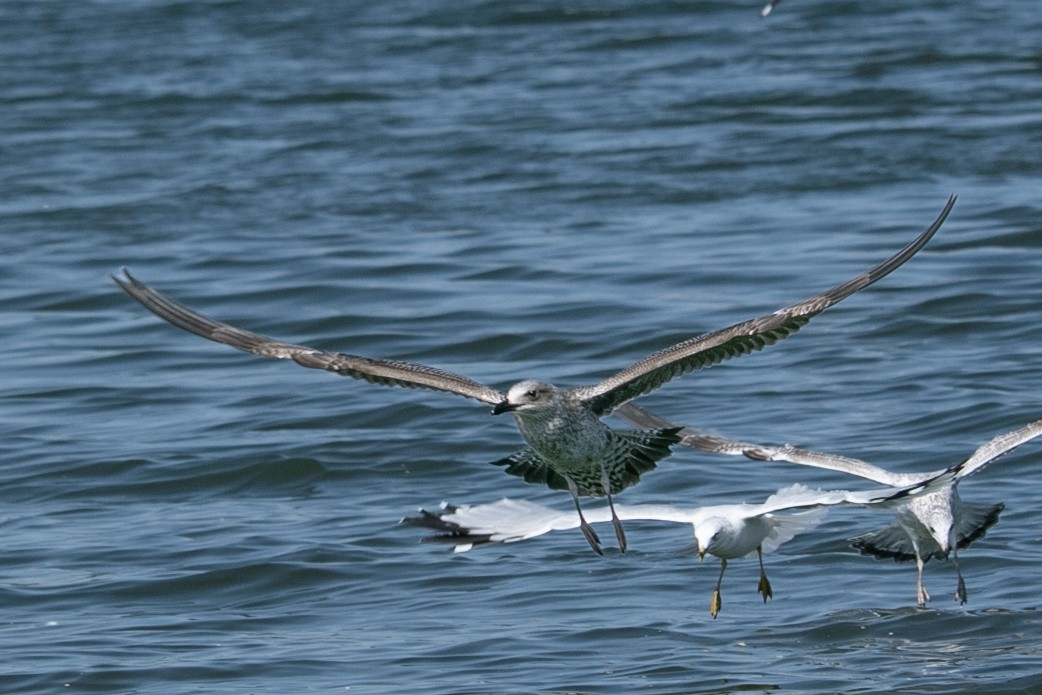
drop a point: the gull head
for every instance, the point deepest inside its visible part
(942, 529)
(936, 513)
(527, 396)
(709, 534)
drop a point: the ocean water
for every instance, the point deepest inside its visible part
(541, 188)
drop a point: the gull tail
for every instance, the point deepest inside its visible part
(631, 453)
(637, 452)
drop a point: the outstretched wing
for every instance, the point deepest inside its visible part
(974, 522)
(385, 372)
(695, 439)
(509, 520)
(798, 496)
(892, 541)
(505, 521)
(996, 447)
(533, 468)
(740, 339)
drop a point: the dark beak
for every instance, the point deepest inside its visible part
(503, 406)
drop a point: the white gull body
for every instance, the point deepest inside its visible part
(934, 525)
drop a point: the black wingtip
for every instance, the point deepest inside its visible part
(125, 280)
(449, 532)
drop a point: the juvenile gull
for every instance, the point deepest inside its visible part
(932, 525)
(569, 447)
(727, 531)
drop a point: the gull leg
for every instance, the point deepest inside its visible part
(765, 586)
(960, 588)
(619, 533)
(921, 595)
(591, 535)
(716, 602)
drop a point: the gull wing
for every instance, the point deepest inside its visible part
(786, 526)
(692, 438)
(509, 521)
(798, 496)
(892, 541)
(505, 521)
(996, 447)
(740, 339)
(385, 372)
(974, 522)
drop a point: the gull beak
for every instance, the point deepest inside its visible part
(701, 553)
(504, 406)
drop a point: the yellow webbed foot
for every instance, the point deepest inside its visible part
(765, 588)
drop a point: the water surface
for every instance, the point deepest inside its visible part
(508, 190)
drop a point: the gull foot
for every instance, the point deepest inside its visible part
(620, 535)
(715, 603)
(591, 537)
(765, 588)
(960, 591)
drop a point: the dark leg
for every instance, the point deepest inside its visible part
(764, 586)
(619, 533)
(716, 602)
(960, 588)
(591, 535)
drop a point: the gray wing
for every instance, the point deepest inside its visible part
(694, 439)
(891, 541)
(974, 522)
(385, 372)
(996, 447)
(740, 339)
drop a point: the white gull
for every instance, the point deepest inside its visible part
(727, 531)
(934, 525)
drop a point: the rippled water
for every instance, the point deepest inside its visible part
(506, 190)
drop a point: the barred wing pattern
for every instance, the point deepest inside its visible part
(385, 372)
(740, 339)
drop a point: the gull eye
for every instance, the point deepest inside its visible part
(531, 394)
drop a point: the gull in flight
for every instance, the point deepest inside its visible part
(931, 525)
(727, 531)
(569, 447)
(768, 7)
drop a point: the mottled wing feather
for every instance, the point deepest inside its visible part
(740, 339)
(533, 468)
(635, 452)
(695, 439)
(385, 372)
(689, 437)
(641, 451)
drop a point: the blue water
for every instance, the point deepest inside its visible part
(537, 188)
